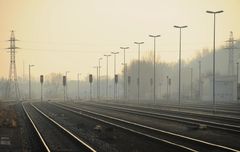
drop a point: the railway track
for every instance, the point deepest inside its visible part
(174, 111)
(119, 137)
(230, 110)
(223, 123)
(52, 135)
(177, 139)
(207, 109)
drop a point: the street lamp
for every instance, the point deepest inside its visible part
(66, 84)
(29, 70)
(124, 68)
(179, 76)
(99, 79)
(154, 67)
(107, 76)
(138, 79)
(78, 84)
(115, 89)
(214, 27)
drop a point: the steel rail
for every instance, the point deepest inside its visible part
(36, 129)
(196, 141)
(193, 121)
(86, 147)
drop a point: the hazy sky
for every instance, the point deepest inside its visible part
(70, 35)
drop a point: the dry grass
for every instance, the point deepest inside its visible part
(8, 117)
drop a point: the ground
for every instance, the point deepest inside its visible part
(10, 130)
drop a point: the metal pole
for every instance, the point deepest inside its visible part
(30, 89)
(107, 76)
(179, 75)
(107, 80)
(78, 85)
(214, 28)
(138, 79)
(115, 85)
(96, 91)
(66, 87)
(191, 82)
(124, 68)
(125, 65)
(154, 72)
(167, 87)
(127, 87)
(99, 78)
(29, 73)
(199, 82)
(160, 90)
(97, 83)
(66, 91)
(237, 79)
(180, 51)
(97, 95)
(90, 91)
(154, 68)
(41, 92)
(114, 76)
(214, 62)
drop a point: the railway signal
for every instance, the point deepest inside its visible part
(90, 82)
(64, 81)
(115, 82)
(116, 78)
(129, 82)
(168, 87)
(41, 81)
(64, 86)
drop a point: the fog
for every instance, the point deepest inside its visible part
(53, 88)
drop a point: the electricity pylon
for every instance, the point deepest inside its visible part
(12, 85)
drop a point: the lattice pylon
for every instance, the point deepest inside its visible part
(231, 48)
(12, 89)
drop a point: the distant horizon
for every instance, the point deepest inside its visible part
(59, 36)
(83, 76)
